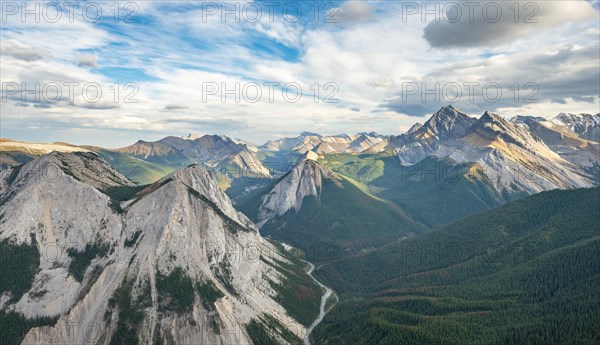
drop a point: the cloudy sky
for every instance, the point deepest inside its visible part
(100, 74)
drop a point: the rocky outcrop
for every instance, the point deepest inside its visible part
(249, 163)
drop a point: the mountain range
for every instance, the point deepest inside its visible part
(454, 163)
(574, 137)
(448, 168)
(560, 138)
(343, 143)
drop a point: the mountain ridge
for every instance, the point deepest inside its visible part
(504, 150)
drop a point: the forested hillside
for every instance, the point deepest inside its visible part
(524, 273)
(345, 219)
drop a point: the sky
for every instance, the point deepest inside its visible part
(108, 75)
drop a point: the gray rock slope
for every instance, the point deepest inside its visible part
(176, 264)
(305, 179)
(587, 126)
(560, 139)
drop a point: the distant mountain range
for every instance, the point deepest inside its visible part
(210, 149)
(512, 158)
(581, 149)
(587, 126)
(476, 162)
(343, 143)
(443, 128)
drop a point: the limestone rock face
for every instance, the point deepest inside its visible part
(247, 161)
(514, 157)
(562, 140)
(175, 262)
(421, 140)
(586, 126)
(305, 179)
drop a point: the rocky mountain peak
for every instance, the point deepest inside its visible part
(192, 136)
(414, 128)
(372, 134)
(526, 119)
(447, 112)
(201, 183)
(207, 147)
(341, 143)
(86, 167)
(309, 134)
(305, 179)
(508, 151)
(146, 149)
(446, 122)
(492, 126)
(500, 125)
(309, 155)
(490, 117)
(569, 117)
(562, 140)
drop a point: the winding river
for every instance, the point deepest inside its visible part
(324, 298)
(322, 312)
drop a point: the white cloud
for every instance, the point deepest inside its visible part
(87, 61)
(175, 107)
(351, 11)
(281, 31)
(494, 23)
(18, 50)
